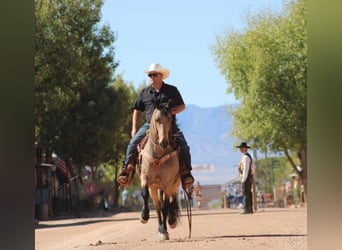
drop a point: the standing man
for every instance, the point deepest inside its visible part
(246, 169)
(157, 92)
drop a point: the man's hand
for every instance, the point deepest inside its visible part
(177, 109)
(243, 184)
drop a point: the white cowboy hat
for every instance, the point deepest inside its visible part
(156, 67)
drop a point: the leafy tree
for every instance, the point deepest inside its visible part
(272, 171)
(75, 108)
(266, 67)
(126, 97)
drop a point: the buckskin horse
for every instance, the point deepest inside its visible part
(159, 171)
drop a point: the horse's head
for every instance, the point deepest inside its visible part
(161, 124)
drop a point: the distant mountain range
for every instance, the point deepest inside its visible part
(214, 157)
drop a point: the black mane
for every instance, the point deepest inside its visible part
(164, 107)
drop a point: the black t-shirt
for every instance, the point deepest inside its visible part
(148, 97)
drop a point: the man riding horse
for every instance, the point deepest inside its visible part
(157, 92)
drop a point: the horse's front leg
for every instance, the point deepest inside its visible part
(162, 217)
(145, 214)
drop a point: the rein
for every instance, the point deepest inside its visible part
(188, 192)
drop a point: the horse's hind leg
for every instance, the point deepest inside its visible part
(145, 214)
(173, 214)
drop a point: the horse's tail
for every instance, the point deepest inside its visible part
(170, 208)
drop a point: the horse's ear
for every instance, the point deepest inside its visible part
(170, 104)
(157, 103)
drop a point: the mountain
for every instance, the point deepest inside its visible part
(213, 154)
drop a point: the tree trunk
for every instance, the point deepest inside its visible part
(303, 173)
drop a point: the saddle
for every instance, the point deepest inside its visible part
(141, 146)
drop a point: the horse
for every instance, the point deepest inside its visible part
(159, 171)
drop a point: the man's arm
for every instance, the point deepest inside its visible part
(177, 109)
(135, 120)
(245, 168)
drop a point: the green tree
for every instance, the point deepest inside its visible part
(126, 96)
(266, 68)
(272, 172)
(75, 108)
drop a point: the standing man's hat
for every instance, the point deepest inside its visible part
(243, 145)
(156, 67)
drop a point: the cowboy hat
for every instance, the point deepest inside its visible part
(243, 145)
(156, 67)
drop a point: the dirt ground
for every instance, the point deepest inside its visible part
(267, 228)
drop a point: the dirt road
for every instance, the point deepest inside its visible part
(268, 228)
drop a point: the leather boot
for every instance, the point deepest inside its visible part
(125, 178)
(187, 180)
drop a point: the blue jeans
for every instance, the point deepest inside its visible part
(136, 139)
(184, 149)
(133, 143)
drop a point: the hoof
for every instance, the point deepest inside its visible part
(145, 215)
(143, 221)
(172, 226)
(163, 236)
(172, 223)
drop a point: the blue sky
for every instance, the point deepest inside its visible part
(178, 35)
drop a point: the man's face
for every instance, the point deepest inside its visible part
(155, 78)
(243, 149)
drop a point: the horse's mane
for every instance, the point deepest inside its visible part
(164, 107)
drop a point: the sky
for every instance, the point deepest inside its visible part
(178, 35)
